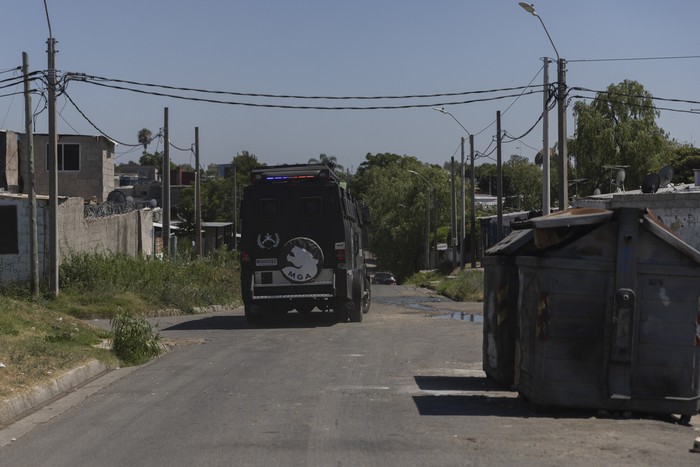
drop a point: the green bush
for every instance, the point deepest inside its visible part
(134, 341)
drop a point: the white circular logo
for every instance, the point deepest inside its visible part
(302, 259)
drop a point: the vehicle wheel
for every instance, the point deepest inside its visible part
(366, 297)
(355, 312)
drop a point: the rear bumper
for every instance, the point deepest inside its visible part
(272, 285)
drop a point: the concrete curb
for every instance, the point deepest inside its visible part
(13, 408)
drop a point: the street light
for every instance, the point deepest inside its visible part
(561, 127)
(472, 234)
(427, 220)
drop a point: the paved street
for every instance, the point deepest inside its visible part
(404, 387)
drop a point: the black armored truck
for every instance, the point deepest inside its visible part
(303, 238)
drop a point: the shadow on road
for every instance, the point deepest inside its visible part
(290, 320)
(490, 399)
(472, 405)
(457, 383)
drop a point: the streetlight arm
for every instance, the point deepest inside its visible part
(550, 38)
(443, 111)
(530, 8)
(421, 176)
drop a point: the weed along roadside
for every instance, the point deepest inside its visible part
(461, 285)
(47, 346)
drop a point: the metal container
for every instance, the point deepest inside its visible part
(500, 305)
(609, 315)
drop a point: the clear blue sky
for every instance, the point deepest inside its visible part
(334, 48)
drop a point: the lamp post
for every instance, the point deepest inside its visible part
(427, 219)
(561, 115)
(472, 234)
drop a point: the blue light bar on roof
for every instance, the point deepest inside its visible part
(288, 177)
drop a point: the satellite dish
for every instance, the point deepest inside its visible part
(129, 199)
(596, 192)
(665, 176)
(620, 180)
(153, 203)
(651, 183)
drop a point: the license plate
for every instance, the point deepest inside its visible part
(266, 262)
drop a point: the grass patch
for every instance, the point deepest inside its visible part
(38, 344)
(97, 285)
(465, 285)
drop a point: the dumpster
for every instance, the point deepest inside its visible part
(609, 314)
(501, 304)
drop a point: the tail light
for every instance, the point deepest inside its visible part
(245, 257)
(340, 253)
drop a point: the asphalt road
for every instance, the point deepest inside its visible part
(402, 388)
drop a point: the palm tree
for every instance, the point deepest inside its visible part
(330, 161)
(145, 138)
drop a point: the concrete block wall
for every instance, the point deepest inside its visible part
(18, 267)
(94, 180)
(121, 233)
(130, 233)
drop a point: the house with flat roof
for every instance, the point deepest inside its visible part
(85, 165)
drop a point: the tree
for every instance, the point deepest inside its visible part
(525, 184)
(155, 160)
(397, 203)
(686, 158)
(145, 138)
(217, 193)
(330, 161)
(618, 128)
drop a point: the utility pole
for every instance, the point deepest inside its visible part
(499, 178)
(563, 156)
(436, 205)
(453, 223)
(545, 140)
(166, 185)
(53, 169)
(31, 190)
(235, 205)
(197, 199)
(462, 222)
(472, 237)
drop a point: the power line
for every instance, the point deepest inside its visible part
(309, 107)
(512, 103)
(613, 93)
(90, 78)
(95, 126)
(631, 59)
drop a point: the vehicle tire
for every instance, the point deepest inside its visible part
(366, 297)
(356, 314)
(355, 311)
(354, 306)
